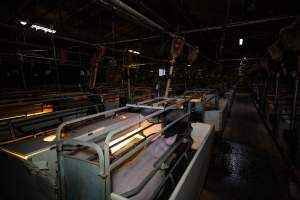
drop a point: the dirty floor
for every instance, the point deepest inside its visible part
(246, 163)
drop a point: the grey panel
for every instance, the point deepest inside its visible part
(82, 180)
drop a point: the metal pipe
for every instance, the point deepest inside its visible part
(237, 24)
(211, 28)
(293, 117)
(98, 150)
(22, 74)
(275, 122)
(140, 146)
(117, 130)
(131, 40)
(129, 85)
(156, 167)
(152, 12)
(169, 80)
(223, 37)
(298, 135)
(119, 4)
(160, 186)
(139, 17)
(60, 172)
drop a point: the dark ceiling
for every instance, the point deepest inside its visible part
(209, 24)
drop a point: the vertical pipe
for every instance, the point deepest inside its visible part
(275, 122)
(293, 117)
(298, 135)
(264, 98)
(55, 58)
(94, 80)
(128, 85)
(185, 83)
(22, 75)
(223, 37)
(169, 80)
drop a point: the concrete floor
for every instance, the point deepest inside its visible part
(246, 163)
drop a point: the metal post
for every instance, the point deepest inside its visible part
(275, 122)
(55, 58)
(128, 85)
(295, 106)
(22, 75)
(94, 80)
(169, 79)
(293, 117)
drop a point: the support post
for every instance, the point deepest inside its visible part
(169, 78)
(55, 58)
(275, 122)
(22, 75)
(295, 107)
(293, 117)
(94, 76)
(129, 85)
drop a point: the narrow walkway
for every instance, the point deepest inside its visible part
(246, 163)
(246, 127)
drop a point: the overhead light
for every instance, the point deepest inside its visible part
(42, 28)
(245, 58)
(161, 72)
(23, 23)
(188, 65)
(38, 27)
(241, 41)
(135, 52)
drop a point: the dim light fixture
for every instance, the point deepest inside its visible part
(241, 41)
(188, 65)
(38, 27)
(161, 72)
(23, 23)
(42, 28)
(132, 51)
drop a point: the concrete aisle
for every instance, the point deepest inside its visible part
(246, 164)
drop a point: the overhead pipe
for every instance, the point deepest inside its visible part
(73, 40)
(211, 28)
(182, 12)
(151, 12)
(117, 4)
(130, 40)
(237, 24)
